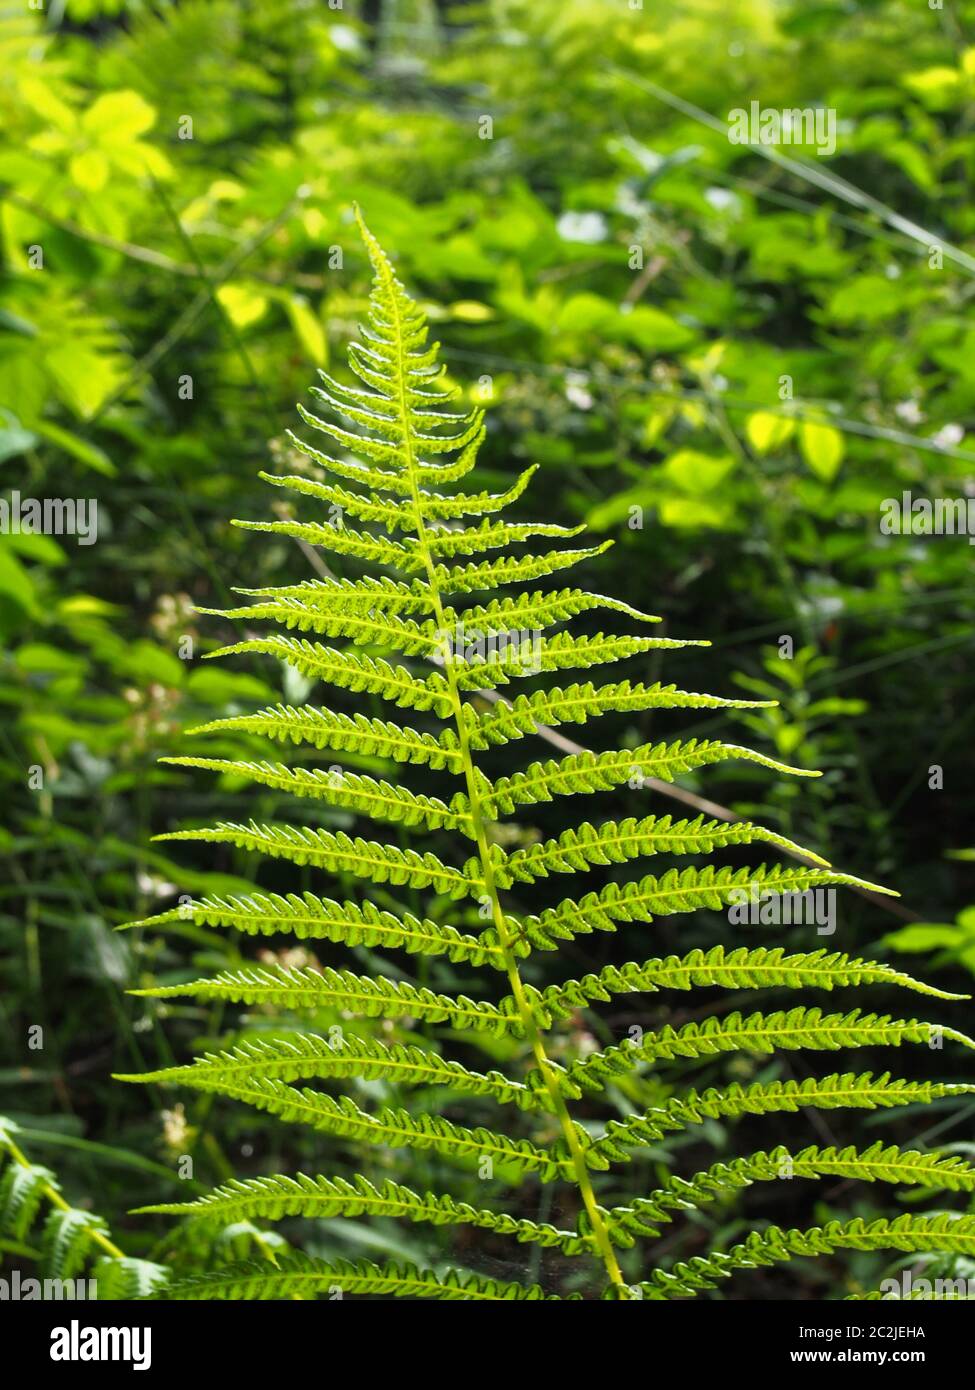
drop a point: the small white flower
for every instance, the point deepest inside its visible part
(909, 412)
(579, 397)
(589, 227)
(948, 436)
(153, 885)
(576, 392)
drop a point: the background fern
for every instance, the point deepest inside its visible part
(558, 1105)
(69, 1248)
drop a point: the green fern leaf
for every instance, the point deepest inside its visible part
(584, 773)
(684, 890)
(348, 595)
(398, 450)
(774, 1245)
(303, 1277)
(792, 1030)
(324, 728)
(835, 1092)
(66, 1243)
(401, 1129)
(351, 671)
(311, 918)
(375, 800)
(742, 968)
(615, 842)
(363, 628)
(23, 1189)
(272, 1198)
(126, 1279)
(578, 703)
(340, 853)
(879, 1163)
(305, 1055)
(296, 988)
(539, 610)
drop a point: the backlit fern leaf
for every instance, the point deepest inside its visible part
(272, 1198)
(386, 455)
(303, 1277)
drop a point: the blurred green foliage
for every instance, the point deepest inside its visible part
(723, 361)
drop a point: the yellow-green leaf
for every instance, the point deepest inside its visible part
(308, 329)
(118, 117)
(767, 432)
(244, 305)
(695, 472)
(89, 170)
(822, 448)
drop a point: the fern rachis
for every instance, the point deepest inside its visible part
(393, 455)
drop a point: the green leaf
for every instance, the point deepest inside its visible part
(822, 448)
(768, 432)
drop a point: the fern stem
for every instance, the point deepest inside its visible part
(600, 1231)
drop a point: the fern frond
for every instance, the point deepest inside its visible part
(325, 728)
(792, 1030)
(272, 1198)
(312, 918)
(398, 446)
(69, 1237)
(297, 988)
(879, 1163)
(509, 569)
(945, 1232)
(616, 842)
(303, 1277)
(127, 1279)
(341, 540)
(340, 853)
(363, 506)
(22, 1191)
(350, 671)
(439, 508)
(490, 535)
(847, 1090)
(67, 1241)
(757, 967)
(378, 451)
(555, 654)
(400, 1129)
(378, 479)
(367, 796)
(684, 890)
(349, 595)
(578, 703)
(583, 773)
(363, 627)
(305, 1055)
(539, 610)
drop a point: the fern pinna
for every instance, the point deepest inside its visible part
(396, 450)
